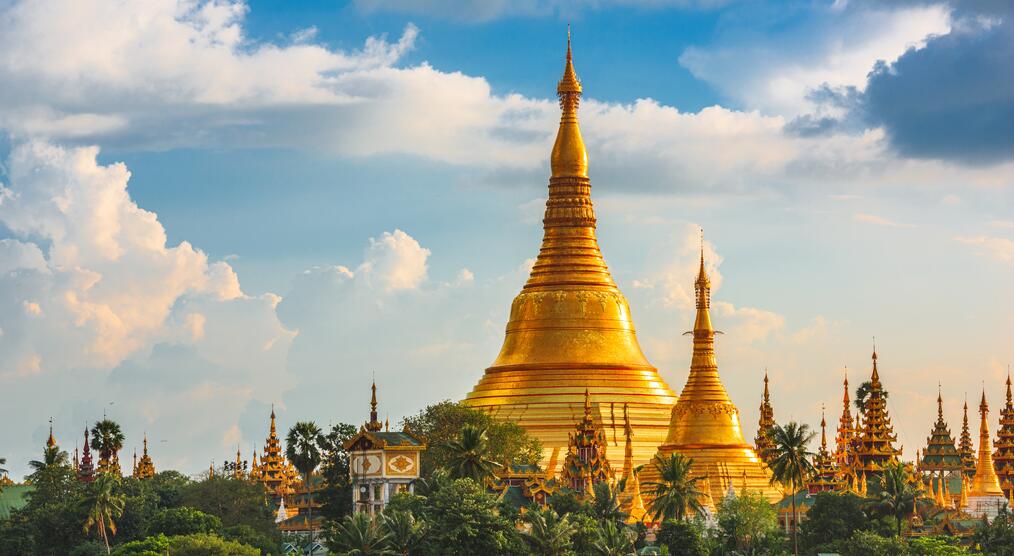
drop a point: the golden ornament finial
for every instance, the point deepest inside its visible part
(374, 425)
(569, 157)
(51, 441)
(823, 428)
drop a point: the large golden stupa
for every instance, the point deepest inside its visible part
(705, 423)
(570, 328)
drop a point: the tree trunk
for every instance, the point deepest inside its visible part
(795, 520)
(102, 530)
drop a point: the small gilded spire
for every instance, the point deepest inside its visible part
(588, 420)
(273, 432)
(51, 441)
(875, 378)
(940, 403)
(823, 429)
(374, 425)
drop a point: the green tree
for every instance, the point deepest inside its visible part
(234, 502)
(206, 544)
(51, 520)
(748, 524)
(789, 459)
(996, 538)
(469, 455)
(606, 502)
(866, 543)
(156, 545)
(614, 540)
(832, 518)
(403, 529)
(863, 392)
(676, 491)
(896, 497)
(938, 546)
(302, 447)
(107, 438)
(439, 424)
(104, 506)
(550, 534)
(360, 535)
(336, 496)
(565, 501)
(586, 532)
(682, 538)
(462, 518)
(183, 521)
(51, 456)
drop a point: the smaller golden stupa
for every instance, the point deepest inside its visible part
(705, 423)
(985, 497)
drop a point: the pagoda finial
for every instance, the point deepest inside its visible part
(1009, 400)
(940, 402)
(51, 441)
(875, 378)
(374, 425)
(767, 395)
(569, 157)
(823, 428)
(145, 443)
(272, 419)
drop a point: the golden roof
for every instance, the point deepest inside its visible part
(570, 328)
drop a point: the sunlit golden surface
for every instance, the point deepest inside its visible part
(570, 328)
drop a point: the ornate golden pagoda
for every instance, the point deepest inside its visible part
(762, 442)
(275, 472)
(586, 463)
(965, 449)
(940, 453)
(985, 497)
(1003, 457)
(570, 328)
(705, 423)
(875, 446)
(985, 482)
(825, 476)
(145, 467)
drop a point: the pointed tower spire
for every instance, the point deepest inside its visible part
(965, 449)
(940, 454)
(51, 441)
(846, 433)
(825, 477)
(273, 431)
(628, 448)
(86, 471)
(569, 158)
(1003, 457)
(762, 442)
(985, 482)
(374, 424)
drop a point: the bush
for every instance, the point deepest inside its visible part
(203, 544)
(183, 521)
(682, 538)
(151, 546)
(865, 543)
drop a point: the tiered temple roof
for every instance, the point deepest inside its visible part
(275, 472)
(844, 453)
(875, 447)
(825, 476)
(586, 463)
(762, 442)
(145, 467)
(940, 454)
(1003, 457)
(965, 449)
(86, 469)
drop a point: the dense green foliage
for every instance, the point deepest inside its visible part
(675, 495)
(682, 538)
(831, 518)
(747, 524)
(441, 423)
(997, 538)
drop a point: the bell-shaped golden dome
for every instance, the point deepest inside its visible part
(570, 328)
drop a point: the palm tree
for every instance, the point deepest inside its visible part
(404, 531)
(614, 540)
(51, 457)
(789, 460)
(469, 455)
(606, 502)
(896, 496)
(359, 535)
(302, 447)
(550, 534)
(103, 506)
(676, 490)
(863, 392)
(107, 438)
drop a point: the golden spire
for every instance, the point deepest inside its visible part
(628, 448)
(703, 384)
(823, 430)
(51, 441)
(569, 158)
(963, 501)
(985, 482)
(272, 433)
(374, 425)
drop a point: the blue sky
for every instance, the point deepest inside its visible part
(210, 207)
